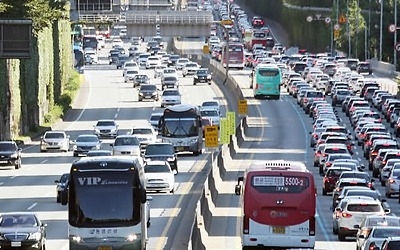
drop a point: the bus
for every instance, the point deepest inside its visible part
(180, 125)
(107, 206)
(257, 37)
(236, 55)
(266, 81)
(278, 205)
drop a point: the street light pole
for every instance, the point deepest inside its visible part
(395, 35)
(348, 30)
(381, 31)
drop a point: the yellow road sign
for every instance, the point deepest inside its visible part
(342, 19)
(336, 34)
(231, 117)
(242, 107)
(206, 49)
(211, 136)
(224, 131)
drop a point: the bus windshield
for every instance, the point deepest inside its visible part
(180, 127)
(92, 189)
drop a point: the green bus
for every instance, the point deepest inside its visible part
(266, 81)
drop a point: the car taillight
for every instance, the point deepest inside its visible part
(328, 164)
(370, 185)
(391, 181)
(374, 153)
(315, 136)
(346, 215)
(256, 85)
(372, 246)
(245, 224)
(312, 226)
(305, 100)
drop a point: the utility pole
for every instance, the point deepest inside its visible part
(381, 31)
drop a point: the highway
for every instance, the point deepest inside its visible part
(104, 95)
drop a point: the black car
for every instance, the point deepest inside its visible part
(113, 57)
(162, 152)
(121, 60)
(62, 187)
(364, 67)
(202, 75)
(140, 79)
(169, 82)
(22, 230)
(172, 60)
(151, 45)
(10, 154)
(148, 91)
(133, 51)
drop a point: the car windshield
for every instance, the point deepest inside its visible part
(87, 138)
(64, 178)
(170, 93)
(141, 77)
(364, 208)
(125, 141)
(170, 79)
(24, 220)
(54, 135)
(7, 147)
(208, 104)
(99, 153)
(385, 232)
(142, 131)
(148, 87)
(105, 123)
(155, 117)
(156, 169)
(160, 149)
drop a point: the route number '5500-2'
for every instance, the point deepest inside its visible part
(293, 181)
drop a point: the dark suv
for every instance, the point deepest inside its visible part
(10, 154)
(202, 75)
(364, 67)
(62, 188)
(162, 152)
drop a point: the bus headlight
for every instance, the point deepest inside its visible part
(133, 237)
(76, 239)
(193, 140)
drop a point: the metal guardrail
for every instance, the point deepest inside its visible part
(152, 17)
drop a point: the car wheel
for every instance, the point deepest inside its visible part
(324, 193)
(341, 237)
(43, 247)
(209, 83)
(194, 83)
(43, 150)
(172, 191)
(183, 75)
(388, 195)
(76, 154)
(58, 198)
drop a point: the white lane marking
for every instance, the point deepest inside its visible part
(49, 194)
(12, 177)
(89, 81)
(44, 161)
(32, 206)
(1, 183)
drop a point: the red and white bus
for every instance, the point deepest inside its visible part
(278, 202)
(257, 37)
(236, 55)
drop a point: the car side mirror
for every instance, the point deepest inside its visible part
(387, 211)
(44, 224)
(149, 198)
(383, 200)
(361, 236)
(56, 181)
(238, 189)
(338, 209)
(112, 144)
(356, 226)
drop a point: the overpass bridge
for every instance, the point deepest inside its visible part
(169, 23)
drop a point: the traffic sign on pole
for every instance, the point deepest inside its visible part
(211, 136)
(318, 16)
(224, 131)
(336, 26)
(309, 19)
(327, 20)
(242, 107)
(231, 119)
(342, 19)
(392, 28)
(397, 47)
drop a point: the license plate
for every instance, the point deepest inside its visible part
(179, 148)
(104, 248)
(3, 161)
(278, 230)
(15, 243)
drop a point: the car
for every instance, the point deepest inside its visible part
(130, 75)
(159, 40)
(170, 97)
(172, 60)
(170, 72)
(344, 183)
(84, 143)
(212, 114)
(369, 222)
(202, 75)
(364, 67)
(359, 208)
(152, 62)
(133, 51)
(180, 63)
(158, 70)
(129, 65)
(113, 57)
(92, 54)
(106, 128)
(390, 243)
(142, 59)
(10, 154)
(62, 187)
(136, 40)
(54, 140)
(146, 135)
(377, 236)
(117, 42)
(148, 91)
(155, 119)
(22, 230)
(163, 151)
(151, 45)
(126, 145)
(392, 183)
(140, 79)
(331, 177)
(100, 152)
(159, 176)
(169, 81)
(210, 105)
(122, 59)
(190, 68)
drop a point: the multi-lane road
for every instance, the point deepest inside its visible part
(104, 95)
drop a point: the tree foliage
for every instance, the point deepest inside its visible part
(42, 12)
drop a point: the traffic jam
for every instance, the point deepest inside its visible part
(352, 118)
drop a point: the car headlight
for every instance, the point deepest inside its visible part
(140, 94)
(35, 236)
(14, 155)
(171, 159)
(196, 76)
(97, 130)
(193, 140)
(113, 130)
(76, 239)
(75, 147)
(208, 77)
(133, 237)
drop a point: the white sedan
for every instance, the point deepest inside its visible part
(212, 114)
(117, 43)
(158, 70)
(170, 97)
(190, 69)
(159, 176)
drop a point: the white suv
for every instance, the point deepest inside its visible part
(353, 211)
(146, 134)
